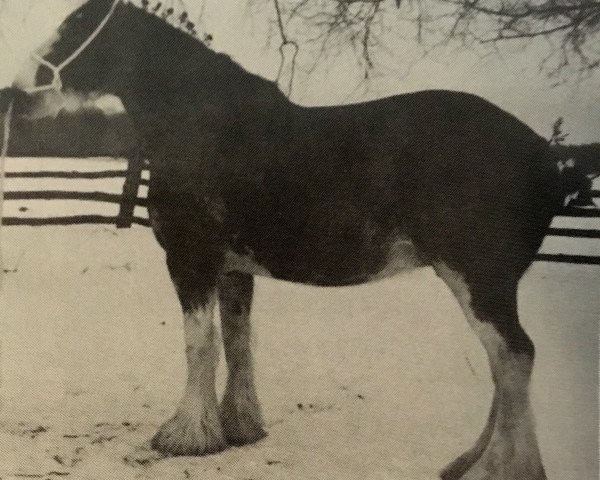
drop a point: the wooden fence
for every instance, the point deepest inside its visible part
(131, 178)
(128, 194)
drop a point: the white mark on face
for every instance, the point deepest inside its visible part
(47, 103)
(26, 78)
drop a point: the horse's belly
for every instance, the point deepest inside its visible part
(397, 257)
(402, 256)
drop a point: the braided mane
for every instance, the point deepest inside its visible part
(172, 12)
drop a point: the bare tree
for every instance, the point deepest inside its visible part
(570, 29)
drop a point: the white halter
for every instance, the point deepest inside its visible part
(56, 83)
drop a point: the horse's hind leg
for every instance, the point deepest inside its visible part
(195, 428)
(240, 412)
(509, 450)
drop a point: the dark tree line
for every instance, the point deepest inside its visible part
(84, 133)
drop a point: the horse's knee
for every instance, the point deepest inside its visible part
(235, 302)
(235, 294)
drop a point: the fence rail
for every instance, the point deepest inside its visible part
(581, 212)
(72, 220)
(565, 258)
(70, 174)
(68, 195)
(574, 232)
(130, 202)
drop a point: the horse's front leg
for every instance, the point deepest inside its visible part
(195, 429)
(241, 416)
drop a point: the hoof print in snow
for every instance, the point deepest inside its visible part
(314, 407)
(24, 431)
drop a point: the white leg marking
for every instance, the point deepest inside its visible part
(240, 411)
(195, 429)
(512, 452)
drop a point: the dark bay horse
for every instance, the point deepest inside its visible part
(246, 183)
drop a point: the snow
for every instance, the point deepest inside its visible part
(59, 208)
(574, 246)
(391, 381)
(36, 164)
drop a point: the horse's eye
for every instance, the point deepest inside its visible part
(79, 15)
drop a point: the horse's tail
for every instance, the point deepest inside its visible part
(558, 185)
(575, 184)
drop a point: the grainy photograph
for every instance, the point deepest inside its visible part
(299, 239)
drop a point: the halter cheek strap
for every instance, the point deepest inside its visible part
(56, 83)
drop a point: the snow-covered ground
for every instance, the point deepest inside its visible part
(379, 382)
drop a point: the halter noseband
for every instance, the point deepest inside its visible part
(56, 83)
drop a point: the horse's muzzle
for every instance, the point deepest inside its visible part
(34, 105)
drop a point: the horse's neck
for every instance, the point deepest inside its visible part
(177, 80)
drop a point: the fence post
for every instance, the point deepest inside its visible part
(135, 165)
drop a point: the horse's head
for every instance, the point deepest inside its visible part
(116, 47)
(81, 56)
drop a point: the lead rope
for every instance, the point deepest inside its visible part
(3, 154)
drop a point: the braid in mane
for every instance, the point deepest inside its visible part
(174, 14)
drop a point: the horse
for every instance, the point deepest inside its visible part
(246, 183)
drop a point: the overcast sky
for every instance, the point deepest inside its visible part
(512, 81)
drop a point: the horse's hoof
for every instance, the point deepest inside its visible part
(243, 433)
(182, 435)
(488, 469)
(456, 469)
(143, 456)
(242, 422)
